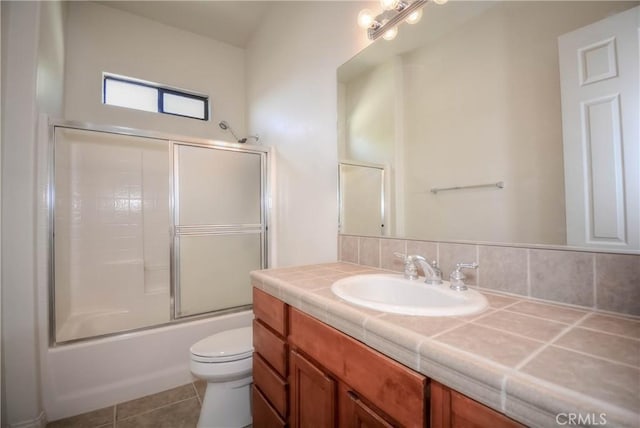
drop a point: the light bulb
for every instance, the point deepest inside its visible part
(365, 18)
(440, 1)
(389, 4)
(414, 17)
(390, 34)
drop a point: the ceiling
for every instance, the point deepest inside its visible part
(232, 22)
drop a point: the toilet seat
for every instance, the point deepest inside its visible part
(226, 346)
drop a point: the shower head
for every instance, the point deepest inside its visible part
(226, 127)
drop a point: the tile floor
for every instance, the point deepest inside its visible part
(175, 408)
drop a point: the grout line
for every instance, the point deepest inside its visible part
(503, 392)
(595, 283)
(548, 344)
(522, 336)
(418, 355)
(193, 384)
(528, 272)
(595, 330)
(446, 330)
(479, 270)
(535, 316)
(598, 357)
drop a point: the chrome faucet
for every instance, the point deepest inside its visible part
(432, 273)
(457, 276)
(410, 267)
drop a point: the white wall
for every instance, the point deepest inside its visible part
(370, 115)
(292, 96)
(2, 422)
(33, 63)
(19, 319)
(104, 39)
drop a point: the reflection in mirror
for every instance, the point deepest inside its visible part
(361, 198)
(542, 96)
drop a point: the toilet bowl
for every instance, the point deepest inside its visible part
(224, 361)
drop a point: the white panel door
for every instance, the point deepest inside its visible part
(600, 118)
(361, 199)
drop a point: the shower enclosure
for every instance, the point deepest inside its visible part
(148, 230)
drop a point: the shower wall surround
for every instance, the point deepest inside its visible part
(601, 281)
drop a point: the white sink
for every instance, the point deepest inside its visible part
(393, 293)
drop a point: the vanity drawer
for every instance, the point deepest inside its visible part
(264, 416)
(388, 385)
(270, 384)
(271, 311)
(270, 347)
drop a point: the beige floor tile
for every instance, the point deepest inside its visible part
(183, 414)
(92, 419)
(201, 387)
(150, 402)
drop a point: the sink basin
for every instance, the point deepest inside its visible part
(393, 293)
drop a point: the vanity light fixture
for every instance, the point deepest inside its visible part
(386, 23)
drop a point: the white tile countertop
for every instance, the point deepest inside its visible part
(536, 362)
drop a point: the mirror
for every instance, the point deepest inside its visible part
(499, 122)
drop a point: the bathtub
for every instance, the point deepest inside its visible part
(81, 377)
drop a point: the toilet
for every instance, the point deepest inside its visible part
(224, 361)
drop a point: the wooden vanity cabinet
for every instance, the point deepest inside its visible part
(450, 409)
(308, 374)
(270, 361)
(368, 389)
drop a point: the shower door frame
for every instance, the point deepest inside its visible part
(172, 140)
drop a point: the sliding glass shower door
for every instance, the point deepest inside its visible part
(146, 230)
(219, 227)
(111, 236)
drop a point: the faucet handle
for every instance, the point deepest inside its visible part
(457, 276)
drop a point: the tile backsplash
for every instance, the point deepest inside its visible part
(601, 281)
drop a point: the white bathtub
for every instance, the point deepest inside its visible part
(85, 376)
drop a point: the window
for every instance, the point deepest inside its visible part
(140, 95)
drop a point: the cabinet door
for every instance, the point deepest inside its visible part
(264, 416)
(450, 409)
(313, 395)
(363, 416)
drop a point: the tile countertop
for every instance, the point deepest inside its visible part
(527, 359)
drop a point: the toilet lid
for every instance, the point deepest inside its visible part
(230, 345)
